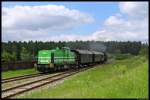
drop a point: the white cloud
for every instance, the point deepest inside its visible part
(131, 23)
(34, 20)
(114, 20)
(39, 23)
(42, 17)
(134, 9)
(73, 37)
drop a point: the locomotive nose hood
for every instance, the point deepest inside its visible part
(44, 57)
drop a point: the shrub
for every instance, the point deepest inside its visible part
(144, 52)
(122, 56)
(7, 57)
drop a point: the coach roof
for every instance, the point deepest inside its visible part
(96, 52)
(83, 51)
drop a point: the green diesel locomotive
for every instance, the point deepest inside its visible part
(56, 59)
(64, 58)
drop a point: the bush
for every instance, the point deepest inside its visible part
(110, 56)
(144, 52)
(7, 57)
(122, 56)
(25, 55)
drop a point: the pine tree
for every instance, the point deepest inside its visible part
(25, 55)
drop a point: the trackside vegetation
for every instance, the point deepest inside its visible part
(20, 51)
(125, 78)
(14, 73)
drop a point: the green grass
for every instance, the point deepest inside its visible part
(15, 73)
(122, 56)
(121, 79)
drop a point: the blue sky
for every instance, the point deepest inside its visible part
(104, 14)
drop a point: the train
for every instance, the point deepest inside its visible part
(66, 58)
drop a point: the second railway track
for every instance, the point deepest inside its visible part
(20, 77)
(13, 91)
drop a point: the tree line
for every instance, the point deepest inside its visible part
(23, 51)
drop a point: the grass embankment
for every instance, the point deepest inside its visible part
(15, 73)
(120, 79)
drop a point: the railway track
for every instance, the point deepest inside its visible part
(13, 91)
(20, 77)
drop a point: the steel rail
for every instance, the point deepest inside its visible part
(27, 84)
(49, 80)
(20, 77)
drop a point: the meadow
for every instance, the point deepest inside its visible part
(126, 78)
